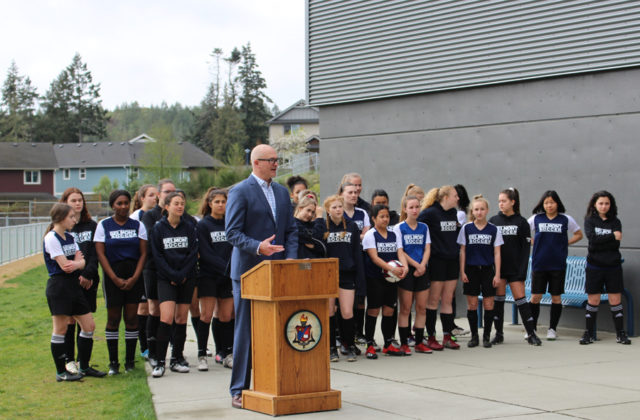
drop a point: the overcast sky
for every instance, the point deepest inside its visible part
(154, 51)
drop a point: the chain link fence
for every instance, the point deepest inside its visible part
(14, 213)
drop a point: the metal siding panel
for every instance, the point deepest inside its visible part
(375, 49)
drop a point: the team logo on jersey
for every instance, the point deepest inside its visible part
(600, 231)
(82, 236)
(386, 247)
(176, 242)
(479, 239)
(360, 224)
(123, 234)
(303, 330)
(335, 237)
(220, 236)
(508, 230)
(550, 227)
(448, 226)
(413, 239)
(69, 250)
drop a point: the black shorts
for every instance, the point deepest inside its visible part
(65, 297)
(150, 284)
(605, 280)
(510, 278)
(553, 279)
(347, 280)
(480, 281)
(91, 296)
(414, 284)
(440, 269)
(115, 297)
(215, 286)
(381, 292)
(182, 293)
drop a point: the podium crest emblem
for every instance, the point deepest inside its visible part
(303, 330)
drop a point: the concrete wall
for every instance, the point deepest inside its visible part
(573, 134)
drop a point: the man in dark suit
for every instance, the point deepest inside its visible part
(260, 226)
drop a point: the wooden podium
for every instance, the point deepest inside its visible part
(290, 353)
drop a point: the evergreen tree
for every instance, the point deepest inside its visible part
(253, 102)
(162, 158)
(17, 107)
(225, 131)
(208, 110)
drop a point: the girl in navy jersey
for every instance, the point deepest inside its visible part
(416, 248)
(514, 257)
(121, 245)
(381, 247)
(550, 228)
(174, 247)
(83, 234)
(214, 283)
(604, 263)
(305, 214)
(440, 215)
(480, 243)
(65, 295)
(380, 197)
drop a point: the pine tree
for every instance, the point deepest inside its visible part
(17, 107)
(253, 101)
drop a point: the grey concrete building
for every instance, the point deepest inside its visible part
(490, 94)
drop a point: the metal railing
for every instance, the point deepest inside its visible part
(14, 213)
(17, 242)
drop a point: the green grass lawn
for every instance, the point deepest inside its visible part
(27, 375)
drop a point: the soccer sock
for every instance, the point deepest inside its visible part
(591, 315)
(195, 322)
(618, 317)
(152, 334)
(142, 332)
(472, 316)
(388, 327)
(226, 336)
(347, 333)
(179, 337)
(419, 333)
(57, 351)
(69, 343)
(359, 315)
(404, 334)
(488, 320)
(332, 331)
(535, 313)
(85, 347)
(203, 337)
(216, 329)
(447, 323)
(525, 314)
(370, 328)
(130, 342)
(432, 317)
(556, 310)
(112, 344)
(498, 313)
(162, 342)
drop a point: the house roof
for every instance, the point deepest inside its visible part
(93, 155)
(27, 156)
(298, 113)
(192, 156)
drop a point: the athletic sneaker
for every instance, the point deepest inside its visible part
(360, 340)
(344, 350)
(449, 343)
(129, 366)
(67, 377)
(145, 354)
(486, 342)
(375, 345)
(158, 371)
(180, 366)
(405, 349)
(371, 353)
(433, 344)
(498, 339)
(153, 362)
(586, 338)
(534, 340)
(622, 338)
(114, 369)
(92, 372)
(459, 331)
(421, 348)
(474, 341)
(551, 334)
(228, 361)
(72, 367)
(351, 355)
(209, 354)
(333, 354)
(411, 340)
(356, 350)
(202, 364)
(219, 357)
(392, 350)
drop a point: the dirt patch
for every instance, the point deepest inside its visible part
(10, 270)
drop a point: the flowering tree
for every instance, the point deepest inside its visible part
(290, 145)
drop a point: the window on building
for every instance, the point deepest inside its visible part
(66, 174)
(32, 177)
(82, 173)
(291, 128)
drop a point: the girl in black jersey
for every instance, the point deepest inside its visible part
(174, 247)
(514, 253)
(214, 283)
(83, 233)
(65, 297)
(604, 263)
(305, 215)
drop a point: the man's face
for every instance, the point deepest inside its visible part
(266, 164)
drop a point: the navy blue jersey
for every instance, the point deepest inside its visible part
(360, 218)
(514, 253)
(175, 250)
(120, 242)
(214, 249)
(479, 244)
(443, 229)
(387, 249)
(413, 241)
(342, 242)
(604, 248)
(551, 241)
(53, 246)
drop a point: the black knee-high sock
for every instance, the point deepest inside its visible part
(179, 337)
(447, 323)
(590, 316)
(69, 343)
(370, 328)
(332, 331)
(85, 347)
(130, 342)
(203, 337)
(556, 311)
(498, 313)
(347, 331)
(338, 321)
(432, 317)
(142, 332)
(618, 317)
(152, 334)
(112, 344)
(525, 314)
(419, 334)
(404, 334)
(195, 323)
(57, 351)
(535, 313)
(472, 316)
(216, 331)
(359, 315)
(388, 327)
(226, 336)
(488, 320)
(162, 342)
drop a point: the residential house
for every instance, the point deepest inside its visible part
(297, 117)
(27, 171)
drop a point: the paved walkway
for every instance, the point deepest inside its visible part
(558, 380)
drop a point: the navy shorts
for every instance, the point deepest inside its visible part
(552, 281)
(480, 281)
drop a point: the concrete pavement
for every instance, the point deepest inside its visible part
(560, 379)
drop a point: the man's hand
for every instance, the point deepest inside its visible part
(267, 249)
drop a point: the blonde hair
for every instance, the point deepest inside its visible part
(327, 205)
(307, 192)
(349, 176)
(476, 198)
(436, 194)
(411, 190)
(403, 204)
(304, 202)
